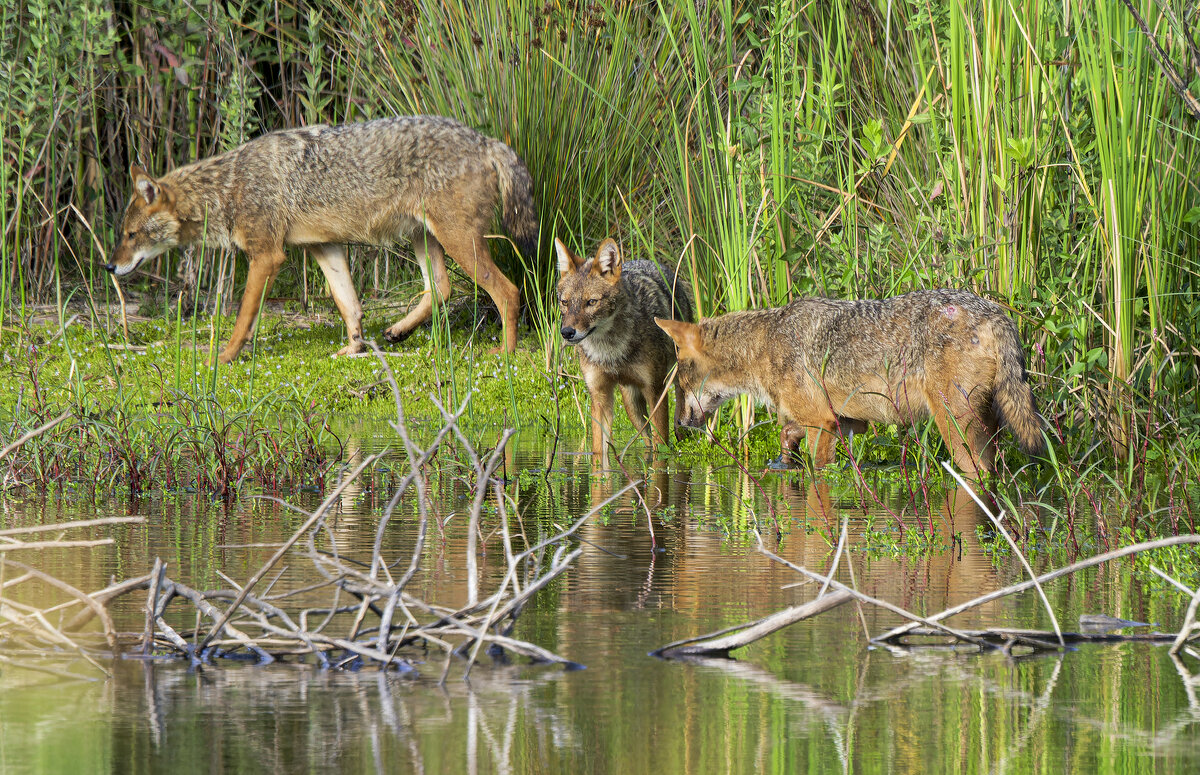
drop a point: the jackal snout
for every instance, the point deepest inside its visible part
(149, 227)
(572, 335)
(590, 294)
(693, 415)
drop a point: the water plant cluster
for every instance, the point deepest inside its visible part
(161, 438)
(1033, 152)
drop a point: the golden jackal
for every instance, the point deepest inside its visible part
(831, 366)
(322, 186)
(608, 310)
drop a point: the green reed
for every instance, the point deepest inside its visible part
(180, 441)
(582, 95)
(1028, 150)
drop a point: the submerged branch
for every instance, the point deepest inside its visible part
(263, 627)
(1042, 638)
(708, 645)
(1099, 559)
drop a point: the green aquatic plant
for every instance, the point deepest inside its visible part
(1031, 152)
(161, 441)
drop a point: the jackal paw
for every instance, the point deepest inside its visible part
(351, 349)
(394, 335)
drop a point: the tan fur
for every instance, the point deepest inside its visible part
(831, 366)
(320, 187)
(608, 309)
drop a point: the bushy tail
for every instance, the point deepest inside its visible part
(682, 306)
(516, 191)
(1013, 399)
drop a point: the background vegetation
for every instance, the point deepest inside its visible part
(1033, 152)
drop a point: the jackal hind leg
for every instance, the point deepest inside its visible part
(264, 266)
(332, 260)
(968, 427)
(469, 250)
(431, 259)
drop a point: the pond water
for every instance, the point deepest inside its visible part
(814, 697)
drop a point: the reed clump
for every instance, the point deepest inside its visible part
(183, 442)
(1033, 152)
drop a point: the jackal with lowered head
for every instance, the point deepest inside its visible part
(830, 366)
(319, 187)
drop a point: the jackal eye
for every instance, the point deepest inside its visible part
(592, 302)
(563, 301)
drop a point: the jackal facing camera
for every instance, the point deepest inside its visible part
(427, 177)
(608, 312)
(831, 366)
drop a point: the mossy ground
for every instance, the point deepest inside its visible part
(290, 358)
(94, 369)
(290, 362)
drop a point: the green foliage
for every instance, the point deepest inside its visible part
(182, 442)
(583, 93)
(1030, 151)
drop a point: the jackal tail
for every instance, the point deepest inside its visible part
(516, 190)
(1012, 395)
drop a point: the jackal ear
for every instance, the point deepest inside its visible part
(567, 261)
(608, 260)
(147, 187)
(685, 335)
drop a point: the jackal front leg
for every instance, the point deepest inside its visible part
(791, 436)
(600, 389)
(660, 413)
(263, 268)
(332, 260)
(635, 408)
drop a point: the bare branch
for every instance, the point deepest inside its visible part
(33, 434)
(708, 645)
(1178, 82)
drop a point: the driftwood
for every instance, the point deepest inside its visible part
(997, 521)
(1095, 629)
(720, 644)
(1007, 636)
(382, 623)
(1045, 577)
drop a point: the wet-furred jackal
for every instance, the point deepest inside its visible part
(608, 311)
(319, 187)
(831, 366)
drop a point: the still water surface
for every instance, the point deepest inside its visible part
(812, 698)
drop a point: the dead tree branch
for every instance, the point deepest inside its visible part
(1177, 81)
(708, 645)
